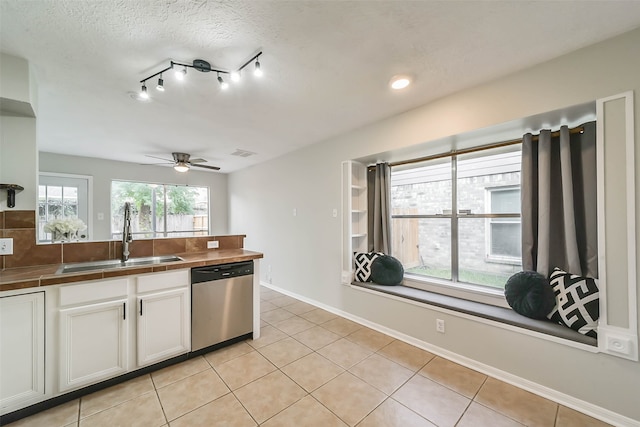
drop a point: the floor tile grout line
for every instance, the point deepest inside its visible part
(118, 404)
(79, 410)
(164, 413)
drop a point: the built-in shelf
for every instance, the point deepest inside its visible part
(354, 219)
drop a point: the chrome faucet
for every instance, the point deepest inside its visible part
(126, 232)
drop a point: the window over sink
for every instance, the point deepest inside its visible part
(160, 210)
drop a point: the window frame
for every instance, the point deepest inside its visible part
(499, 219)
(88, 200)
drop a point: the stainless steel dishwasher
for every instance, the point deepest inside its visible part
(221, 303)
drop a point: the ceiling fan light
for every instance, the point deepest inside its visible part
(181, 167)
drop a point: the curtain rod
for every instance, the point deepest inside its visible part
(577, 129)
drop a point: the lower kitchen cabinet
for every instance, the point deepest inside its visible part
(93, 343)
(21, 350)
(163, 325)
(93, 333)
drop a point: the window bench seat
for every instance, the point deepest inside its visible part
(486, 311)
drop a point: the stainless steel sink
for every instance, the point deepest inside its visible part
(115, 263)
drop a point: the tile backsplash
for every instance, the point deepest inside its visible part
(21, 226)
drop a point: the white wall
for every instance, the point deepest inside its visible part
(14, 78)
(104, 171)
(304, 251)
(18, 147)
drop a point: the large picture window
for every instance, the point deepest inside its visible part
(160, 210)
(456, 219)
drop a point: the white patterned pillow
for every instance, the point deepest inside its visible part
(577, 302)
(363, 262)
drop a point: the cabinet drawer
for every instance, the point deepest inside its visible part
(93, 291)
(160, 281)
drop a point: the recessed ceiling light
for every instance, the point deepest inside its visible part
(399, 82)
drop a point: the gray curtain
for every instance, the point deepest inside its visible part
(379, 184)
(559, 223)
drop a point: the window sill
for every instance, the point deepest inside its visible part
(501, 315)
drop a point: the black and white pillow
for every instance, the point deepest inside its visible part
(363, 262)
(577, 302)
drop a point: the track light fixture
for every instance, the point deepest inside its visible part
(204, 67)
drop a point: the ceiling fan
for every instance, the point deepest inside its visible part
(182, 162)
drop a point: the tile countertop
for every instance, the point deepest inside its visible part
(30, 277)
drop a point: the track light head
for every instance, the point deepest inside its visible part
(160, 86)
(180, 74)
(143, 92)
(258, 71)
(235, 76)
(223, 85)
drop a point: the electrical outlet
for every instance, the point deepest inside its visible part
(440, 326)
(6, 246)
(334, 213)
(213, 244)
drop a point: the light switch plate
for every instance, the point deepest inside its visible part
(6, 246)
(213, 244)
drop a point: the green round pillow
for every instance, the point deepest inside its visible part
(530, 294)
(386, 270)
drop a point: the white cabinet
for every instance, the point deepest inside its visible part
(93, 332)
(354, 214)
(21, 350)
(164, 316)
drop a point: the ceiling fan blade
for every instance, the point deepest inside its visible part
(159, 158)
(198, 160)
(215, 168)
(153, 164)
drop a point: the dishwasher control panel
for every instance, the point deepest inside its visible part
(218, 272)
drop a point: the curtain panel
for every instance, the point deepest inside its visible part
(379, 224)
(559, 222)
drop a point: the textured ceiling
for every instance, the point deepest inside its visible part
(327, 66)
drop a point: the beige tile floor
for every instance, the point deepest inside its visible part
(312, 368)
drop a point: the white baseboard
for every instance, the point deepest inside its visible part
(587, 408)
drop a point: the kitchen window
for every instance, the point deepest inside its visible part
(160, 210)
(456, 220)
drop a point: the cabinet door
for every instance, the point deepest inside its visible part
(163, 325)
(21, 350)
(93, 343)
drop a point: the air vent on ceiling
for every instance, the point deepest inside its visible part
(242, 153)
